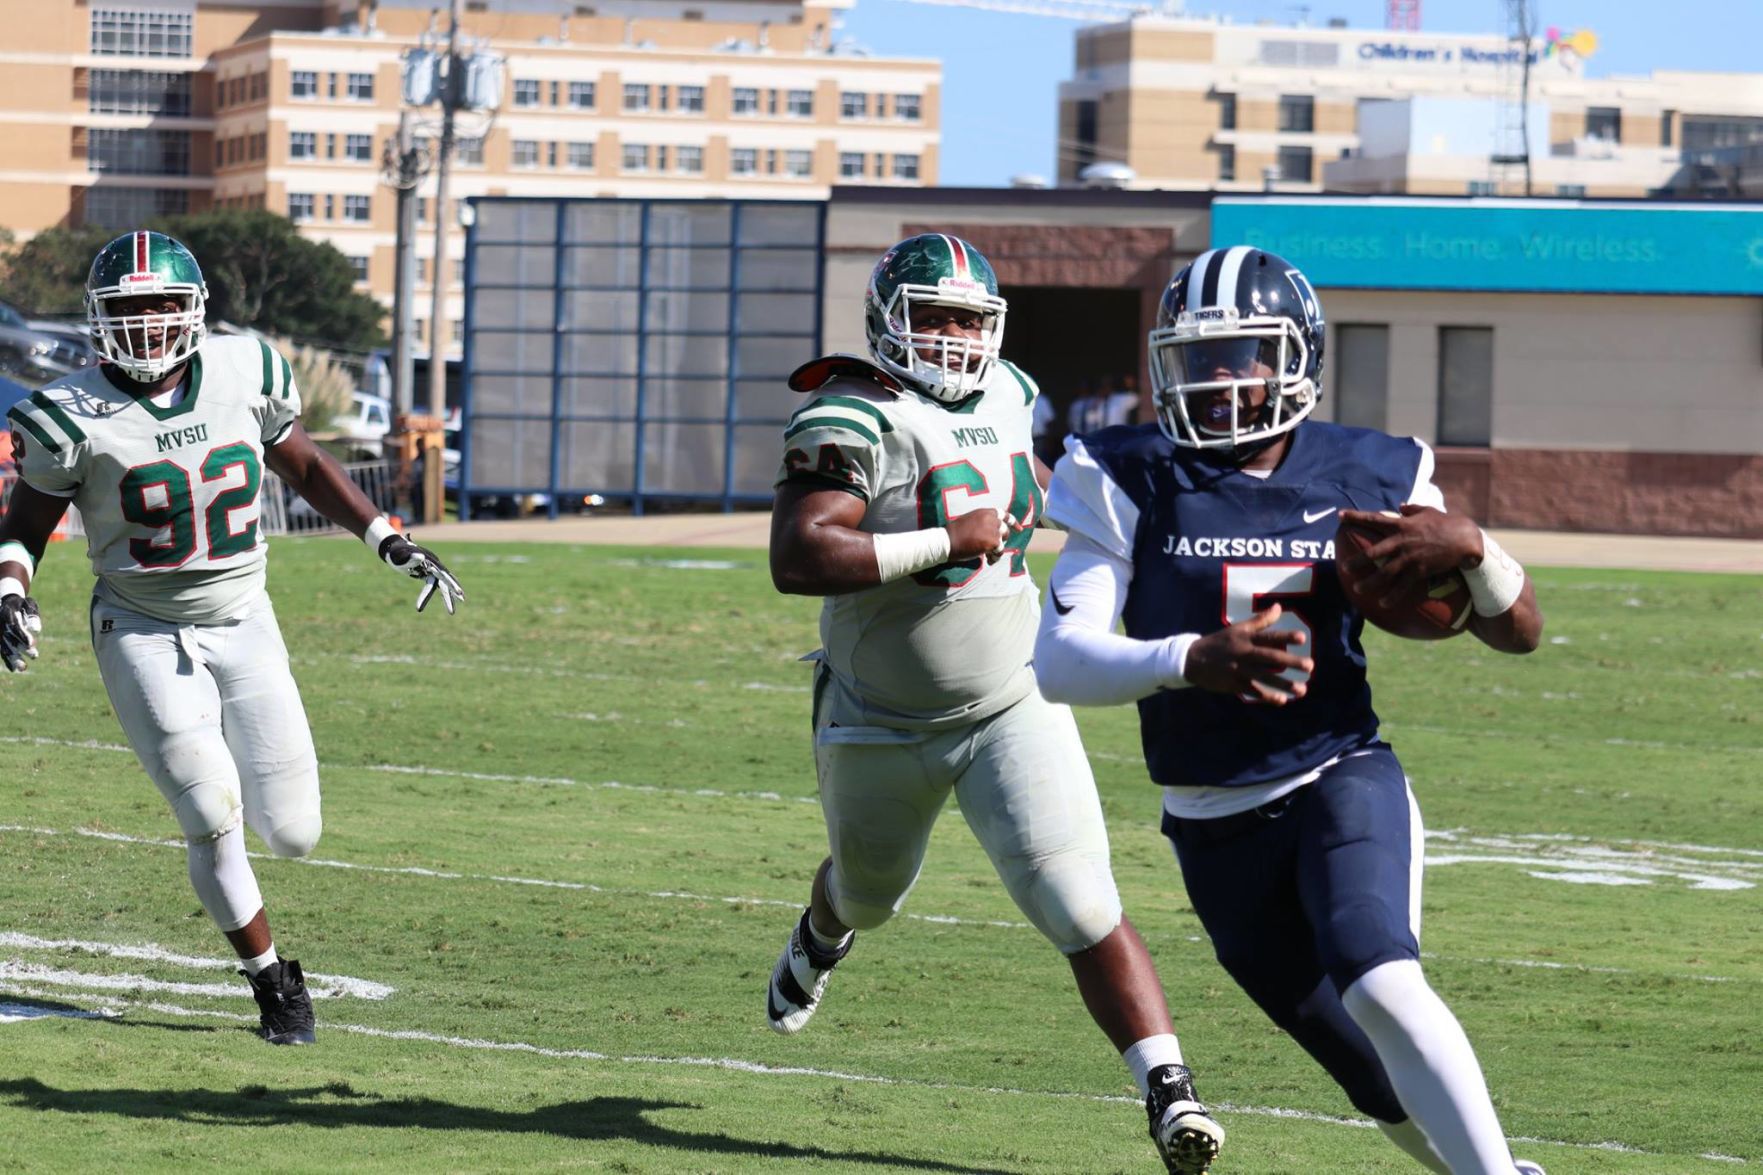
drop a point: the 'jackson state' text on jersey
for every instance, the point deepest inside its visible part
(168, 496)
(1210, 545)
(951, 644)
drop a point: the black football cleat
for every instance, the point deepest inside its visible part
(799, 979)
(286, 1009)
(1187, 1137)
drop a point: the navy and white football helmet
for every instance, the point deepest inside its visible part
(1234, 321)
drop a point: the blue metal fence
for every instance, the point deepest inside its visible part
(634, 349)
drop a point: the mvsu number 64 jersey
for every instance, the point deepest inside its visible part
(951, 644)
(168, 495)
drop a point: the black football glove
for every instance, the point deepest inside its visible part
(19, 626)
(421, 563)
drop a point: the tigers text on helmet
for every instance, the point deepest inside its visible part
(941, 271)
(145, 264)
(1235, 323)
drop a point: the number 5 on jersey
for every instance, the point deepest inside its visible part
(1249, 588)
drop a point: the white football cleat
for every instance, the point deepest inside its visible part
(1187, 1137)
(1526, 1167)
(799, 979)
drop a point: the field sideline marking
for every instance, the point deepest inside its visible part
(756, 1068)
(323, 986)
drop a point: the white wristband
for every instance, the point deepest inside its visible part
(12, 587)
(898, 555)
(1496, 584)
(13, 551)
(378, 531)
(1176, 649)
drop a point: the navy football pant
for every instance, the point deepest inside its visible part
(1307, 894)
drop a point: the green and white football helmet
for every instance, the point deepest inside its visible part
(146, 346)
(934, 270)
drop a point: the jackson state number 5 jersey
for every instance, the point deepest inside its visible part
(168, 496)
(1210, 545)
(951, 644)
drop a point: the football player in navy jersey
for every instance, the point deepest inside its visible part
(1210, 534)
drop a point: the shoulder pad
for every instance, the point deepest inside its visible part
(817, 373)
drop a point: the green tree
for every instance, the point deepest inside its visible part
(261, 273)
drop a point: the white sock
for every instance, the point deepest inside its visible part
(1147, 1055)
(1412, 1141)
(220, 872)
(1430, 1065)
(823, 944)
(258, 962)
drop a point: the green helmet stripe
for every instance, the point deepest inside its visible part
(24, 421)
(53, 411)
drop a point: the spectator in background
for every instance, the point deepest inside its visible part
(1044, 429)
(1104, 402)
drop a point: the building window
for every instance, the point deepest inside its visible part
(422, 271)
(635, 157)
(853, 105)
(1297, 113)
(661, 157)
(1666, 119)
(550, 154)
(330, 84)
(303, 83)
(358, 266)
(1466, 385)
(1227, 162)
(1483, 188)
(691, 99)
(905, 167)
(359, 148)
(1572, 191)
(1296, 165)
(133, 91)
(138, 152)
(526, 92)
(1361, 389)
(300, 205)
(553, 93)
(851, 165)
(743, 161)
(526, 153)
(746, 101)
(1603, 122)
(908, 107)
(581, 95)
(458, 271)
(302, 145)
(469, 152)
(661, 94)
(581, 156)
(636, 96)
(689, 160)
(330, 207)
(118, 208)
(422, 210)
(121, 32)
(800, 164)
(361, 87)
(1227, 112)
(800, 104)
(358, 208)
(880, 109)
(1084, 132)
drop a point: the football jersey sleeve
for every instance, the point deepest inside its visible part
(1425, 491)
(49, 447)
(836, 442)
(280, 406)
(1085, 500)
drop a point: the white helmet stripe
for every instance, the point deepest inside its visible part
(1230, 273)
(1196, 278)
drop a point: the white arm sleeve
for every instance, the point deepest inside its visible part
(1425, 493)
(1079, 658)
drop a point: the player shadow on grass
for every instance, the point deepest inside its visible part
(340, 1105)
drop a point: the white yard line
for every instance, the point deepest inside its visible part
(322, 986)
(733, 1064)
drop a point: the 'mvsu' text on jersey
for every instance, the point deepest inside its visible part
(176, 439)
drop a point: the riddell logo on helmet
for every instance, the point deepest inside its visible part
(958, 283)
(146, 283)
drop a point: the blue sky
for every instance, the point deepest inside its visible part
(1001, 72)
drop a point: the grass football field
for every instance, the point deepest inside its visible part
(568, 830)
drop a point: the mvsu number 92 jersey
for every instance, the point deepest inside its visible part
(168, 496)
(1210, 545)
(951, 644)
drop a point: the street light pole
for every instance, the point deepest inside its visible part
(439, 280)
(405, 169)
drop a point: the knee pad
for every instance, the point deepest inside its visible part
(858, 909)
(1071, 898)
(295, 837)
(282, 805)
(196, 772)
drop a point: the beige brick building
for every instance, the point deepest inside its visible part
(116, 110)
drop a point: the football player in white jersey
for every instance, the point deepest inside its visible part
(162, 448)
(906, 498)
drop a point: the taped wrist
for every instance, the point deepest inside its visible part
(898, 555)
(13, 551)
(378, 531)
(1496, 584)
(12, 587)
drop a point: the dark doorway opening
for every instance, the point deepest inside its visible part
(1068, 336)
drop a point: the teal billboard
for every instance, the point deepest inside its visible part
(1506, 245)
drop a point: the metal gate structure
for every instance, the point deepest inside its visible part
(635, 349)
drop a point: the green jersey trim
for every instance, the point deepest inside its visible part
(1029, 390)
(822, 481)
(268, 369)
(851, 402)
(35, 429)
(850, 426)
(53, 411)
(183, 406)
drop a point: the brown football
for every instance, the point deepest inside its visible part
(1422, 610)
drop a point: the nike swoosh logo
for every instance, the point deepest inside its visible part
(1318, 516)
(1062, 609)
